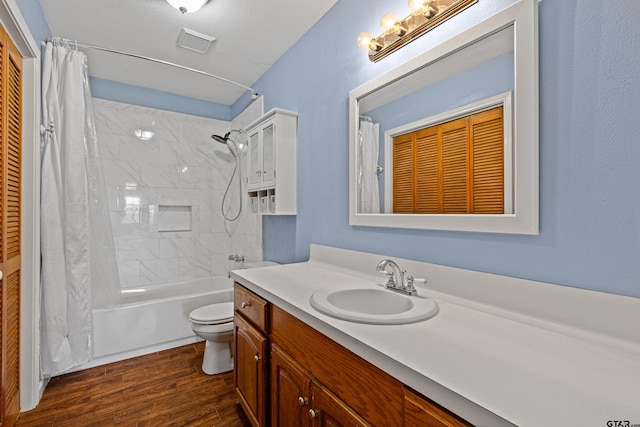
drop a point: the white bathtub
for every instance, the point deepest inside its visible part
(152, 319)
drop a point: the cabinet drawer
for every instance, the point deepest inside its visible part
(250, 306)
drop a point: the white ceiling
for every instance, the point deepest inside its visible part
(251, 36)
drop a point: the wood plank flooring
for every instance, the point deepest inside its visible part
(167, 388)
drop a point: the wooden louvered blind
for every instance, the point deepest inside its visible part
(403, 194)
(455, 167)
(10, 212)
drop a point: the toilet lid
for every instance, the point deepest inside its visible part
(213, 314)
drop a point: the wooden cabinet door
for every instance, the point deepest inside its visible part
(329, 411)
(10, 210)
(421, 412)
(290, 391)
(250, 373)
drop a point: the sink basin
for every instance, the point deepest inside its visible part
(374, 306)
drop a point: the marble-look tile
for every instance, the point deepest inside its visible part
(173, 152)
(221, 243)
(194, 267)
(205, 221)
(129, 273)
(181, 165)
(134, 149)
(132, 198)
(177, 248)
(125, 224)
(220, 265)
(196, 177)
(109, 146)
(159, 175)
(158, 271)
(121, 173)
(138, 248)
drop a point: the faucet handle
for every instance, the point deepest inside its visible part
(418, 280)
(389, 276)
(411, 280)
(411, 289)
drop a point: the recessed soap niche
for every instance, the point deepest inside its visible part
(263, 201)
(174, 218)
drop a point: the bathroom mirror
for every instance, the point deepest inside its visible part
(493, 64)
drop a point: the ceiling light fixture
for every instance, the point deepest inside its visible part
(424, 15)
(187, 6)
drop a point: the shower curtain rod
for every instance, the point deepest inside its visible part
(254, 93)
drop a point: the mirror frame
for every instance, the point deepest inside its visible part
(522, 16)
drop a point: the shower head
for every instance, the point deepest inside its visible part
(221, 139)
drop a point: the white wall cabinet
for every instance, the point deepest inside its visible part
(271, 158)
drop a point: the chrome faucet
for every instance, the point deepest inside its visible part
(236, 258)
(397, 279)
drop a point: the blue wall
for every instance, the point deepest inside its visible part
(114, 91)
(589, 144)
(589, 147)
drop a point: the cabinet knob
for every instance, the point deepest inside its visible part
(313, 413)
(302, 401)
(257, 358)
(245, 304)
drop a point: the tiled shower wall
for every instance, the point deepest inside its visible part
(180, 168)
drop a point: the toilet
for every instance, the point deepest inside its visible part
(214, 323)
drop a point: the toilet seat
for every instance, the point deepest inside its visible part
(214, 314)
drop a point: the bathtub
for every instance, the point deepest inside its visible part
(152, 319)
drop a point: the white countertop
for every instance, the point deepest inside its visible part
(475, 358)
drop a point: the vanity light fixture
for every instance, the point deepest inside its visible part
(423, 16)
(187, 6)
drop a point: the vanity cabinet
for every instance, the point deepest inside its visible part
(314, 381)
(298, 400)
(250, 356)
(327, 410)
(271, 169)
(290, 391)
(422, 412)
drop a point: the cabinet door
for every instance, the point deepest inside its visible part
(290, 391)
(255, 163)
(329, 411)
(421, 412)
(268, 154)
(250, 370)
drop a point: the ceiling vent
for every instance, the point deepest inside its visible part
(195, 41)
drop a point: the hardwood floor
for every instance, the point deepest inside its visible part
(167, 388)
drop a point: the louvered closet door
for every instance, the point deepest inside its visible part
(427, 155)
(487, 141)
(10, 207)
(403, 190)
(455, 180)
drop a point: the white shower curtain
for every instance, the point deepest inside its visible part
(71, 175)
(369, 147)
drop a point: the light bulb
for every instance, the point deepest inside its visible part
(427, 8)
(364, 39)
(388, 21)
(187, 6)
(415, 6)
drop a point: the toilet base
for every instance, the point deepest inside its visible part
(217, 358)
